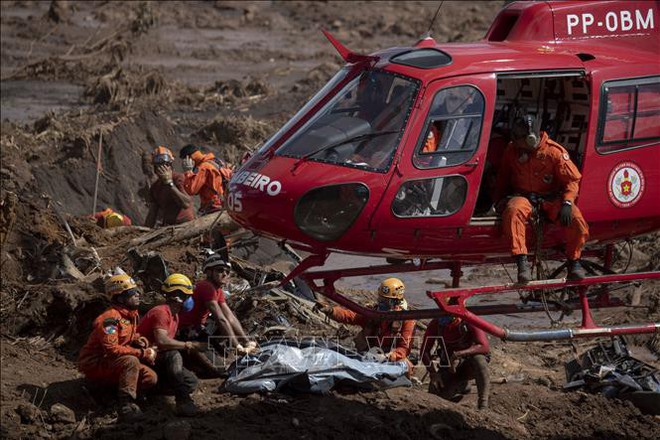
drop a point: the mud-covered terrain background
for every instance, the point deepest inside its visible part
(129, 76)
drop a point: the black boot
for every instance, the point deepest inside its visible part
(128, 412)
(524, 272)
(185, 407)
(575, 270)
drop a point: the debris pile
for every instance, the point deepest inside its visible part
(610, 369)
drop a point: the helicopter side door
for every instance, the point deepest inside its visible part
(434, 187)
(622, 170)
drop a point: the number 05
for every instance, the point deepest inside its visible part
(234, 201)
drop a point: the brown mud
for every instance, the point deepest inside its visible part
(134, 75)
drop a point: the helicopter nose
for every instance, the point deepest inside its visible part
(295, 207)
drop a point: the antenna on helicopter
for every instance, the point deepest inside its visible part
(428, 32)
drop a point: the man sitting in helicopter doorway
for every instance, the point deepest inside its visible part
(536, 169)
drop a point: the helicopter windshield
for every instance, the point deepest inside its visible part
(361, 125)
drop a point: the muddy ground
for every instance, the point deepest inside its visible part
(133, 75)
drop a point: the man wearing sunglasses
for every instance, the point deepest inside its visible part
(394, 338)
(159, 326)
(168, 200)
(115, 353)
(209, 296)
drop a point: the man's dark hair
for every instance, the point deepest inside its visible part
(188, 150)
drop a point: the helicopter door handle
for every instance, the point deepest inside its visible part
(472, 164)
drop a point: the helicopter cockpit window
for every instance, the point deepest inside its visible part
(361, 126)
(452, 130)
(334, 82)
(436, 197)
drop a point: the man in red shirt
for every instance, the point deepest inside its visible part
(463, 351)
(159, 326)
(205, 175)
(115, 354)
(209, 297)
(168, 200)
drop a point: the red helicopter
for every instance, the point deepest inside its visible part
(349, 172)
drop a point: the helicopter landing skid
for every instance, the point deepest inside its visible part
(323, 282)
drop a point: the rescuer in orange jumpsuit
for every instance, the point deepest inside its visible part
(115, 352)
(204, 175)
(536, 167)
(393, 337)
(108, 218)
(432, 139)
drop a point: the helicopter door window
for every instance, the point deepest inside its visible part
(436, 197)
(452, 131)
(629, 114)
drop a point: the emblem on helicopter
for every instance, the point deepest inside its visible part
(625, 185)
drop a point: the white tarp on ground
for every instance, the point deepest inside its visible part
(285, 366)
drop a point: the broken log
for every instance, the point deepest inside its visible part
(185, 231)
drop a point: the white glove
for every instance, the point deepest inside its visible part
(187, 164)
(375, 354)
(251, 347)
(150, 355)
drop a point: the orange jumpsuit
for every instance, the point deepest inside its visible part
(394, 337)
(548, 172)
(207, 182)
(108, 357)
(432, 139)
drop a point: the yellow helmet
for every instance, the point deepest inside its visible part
(175, 282)
(392, 288)
(114, 219)
(118, 284)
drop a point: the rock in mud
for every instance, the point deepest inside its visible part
(177, 430)
(62, 414)
(28, 412)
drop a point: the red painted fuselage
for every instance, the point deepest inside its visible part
(337, 179)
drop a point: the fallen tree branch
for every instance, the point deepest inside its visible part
(195, 228)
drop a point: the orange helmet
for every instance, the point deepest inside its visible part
(118, 284)
(162, 155)
(392, 288)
